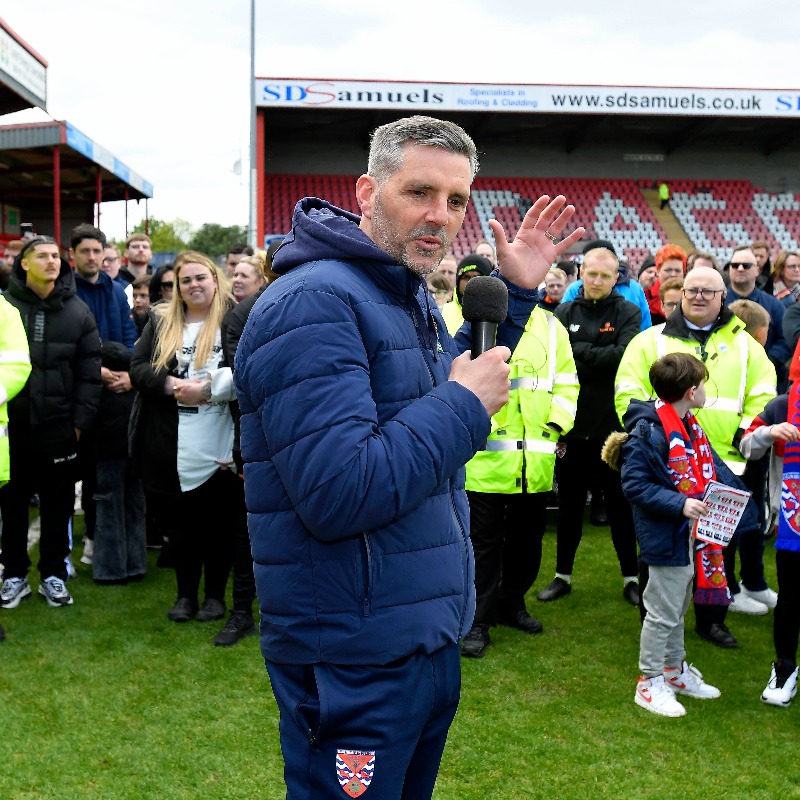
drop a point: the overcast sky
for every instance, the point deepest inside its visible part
(164, 85)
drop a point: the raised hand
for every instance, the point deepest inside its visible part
(526, 260)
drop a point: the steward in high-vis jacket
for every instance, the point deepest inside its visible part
(508, 481)
(15, 366)
(741, 376)
(741, 381)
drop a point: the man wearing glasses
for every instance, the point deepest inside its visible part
(743, 272)
(741, 382)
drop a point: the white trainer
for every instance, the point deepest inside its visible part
(780, 691)
(654, 695)
(766, 596)
(55, 592)
(88, 551)
(688, 680)
(744, 604)
(13, 591)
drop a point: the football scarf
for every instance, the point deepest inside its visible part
(690, 464)
(789, 516)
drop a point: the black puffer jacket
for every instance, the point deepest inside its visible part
(63, 390)
(599, 331)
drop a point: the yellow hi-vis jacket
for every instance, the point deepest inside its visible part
(452, 315)
(520, 453)
(15, 366)
(741, 378)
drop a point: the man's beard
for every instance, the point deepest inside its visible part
(395, 244)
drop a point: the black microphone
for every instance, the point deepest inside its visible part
(485, 306)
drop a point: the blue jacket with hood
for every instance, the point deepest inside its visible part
(354, 443)
(661, 529)
(109, 306)
(628, 288)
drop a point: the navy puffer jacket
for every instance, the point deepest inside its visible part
(354, 443)
(661, 529)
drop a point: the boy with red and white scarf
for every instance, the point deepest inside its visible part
(666, 462)
(776, 428)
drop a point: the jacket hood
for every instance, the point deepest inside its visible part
(639, 410)
(612, 450)
(320, 232)
(64, 285)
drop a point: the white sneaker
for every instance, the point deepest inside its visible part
(688, 680)
(779, 693)
(654, 695)
(13, 592)
(55, 592)
(766, 596)
(744, 604)
(88, 551)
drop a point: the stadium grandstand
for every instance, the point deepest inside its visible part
(730, 156)
(52, 176)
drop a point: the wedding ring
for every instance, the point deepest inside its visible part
(550, 236)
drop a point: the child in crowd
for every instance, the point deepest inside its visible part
(775, 430)
(755, 317)
(440, 288)
(666, 462)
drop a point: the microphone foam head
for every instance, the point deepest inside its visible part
(485, 299)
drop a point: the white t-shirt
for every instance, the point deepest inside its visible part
(205, 433)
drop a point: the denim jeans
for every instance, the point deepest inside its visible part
(119, 541)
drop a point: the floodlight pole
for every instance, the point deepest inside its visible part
(252, 228)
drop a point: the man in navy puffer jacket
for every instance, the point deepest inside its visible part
(357, 419)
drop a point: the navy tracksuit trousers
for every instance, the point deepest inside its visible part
(347, 728)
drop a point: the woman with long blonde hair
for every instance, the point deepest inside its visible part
(183, 438)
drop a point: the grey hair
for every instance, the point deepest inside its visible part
(387, 141)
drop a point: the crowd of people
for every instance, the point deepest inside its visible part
(619, 320)
(130, 393)
(397, 487)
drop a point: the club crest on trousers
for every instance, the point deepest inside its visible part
(355, 770)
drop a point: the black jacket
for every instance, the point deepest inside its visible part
(155, 450)
(64, 387)
(232, 327)
(599, 332)
(155, 455)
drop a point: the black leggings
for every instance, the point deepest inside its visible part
(203, 535)
(786, 625)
